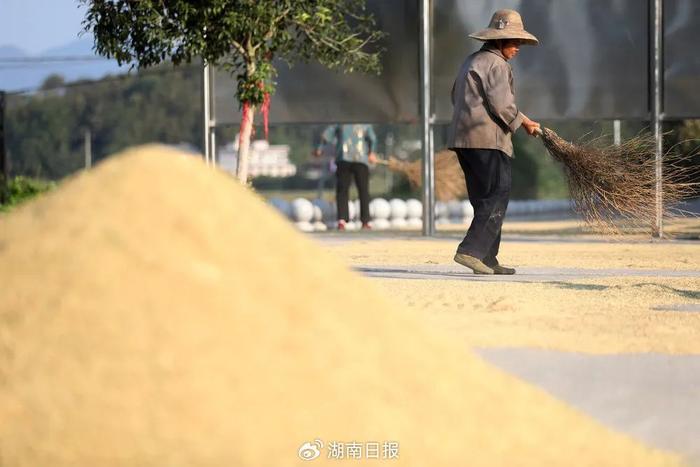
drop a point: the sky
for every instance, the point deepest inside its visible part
(45, 28)
(37, 25)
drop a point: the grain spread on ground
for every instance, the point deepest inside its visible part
(154, 312)
(600, 315)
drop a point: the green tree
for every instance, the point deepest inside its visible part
(46, 130)
(53, 81)
(41, 138)
(243, 36)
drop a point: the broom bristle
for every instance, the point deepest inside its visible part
(615, 185)
(449, 178)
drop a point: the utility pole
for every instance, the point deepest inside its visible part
(4, 164)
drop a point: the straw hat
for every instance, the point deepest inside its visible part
(505, 24)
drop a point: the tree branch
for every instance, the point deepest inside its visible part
(238, 47)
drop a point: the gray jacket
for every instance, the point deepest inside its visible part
(485, 115)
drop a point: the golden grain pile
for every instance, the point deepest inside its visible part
(154, 313)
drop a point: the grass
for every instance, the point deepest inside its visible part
(21, 189)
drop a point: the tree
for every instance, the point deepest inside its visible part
(243, 36)
(53, 81)
(44, 130)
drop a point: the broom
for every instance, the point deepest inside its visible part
(613, 183)
(449, 178)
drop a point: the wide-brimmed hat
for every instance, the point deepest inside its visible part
(506, 24)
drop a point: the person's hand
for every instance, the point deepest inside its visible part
(372, 158)
(316, 153)
(532, 128)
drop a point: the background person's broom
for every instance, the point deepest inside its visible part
(609, 184)
(449, 178)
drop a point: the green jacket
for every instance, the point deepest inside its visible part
(352, 143)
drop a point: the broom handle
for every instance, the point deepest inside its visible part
(379, 161)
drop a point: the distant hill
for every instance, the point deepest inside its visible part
(20, 76)
(9, 51)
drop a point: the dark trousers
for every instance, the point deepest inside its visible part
(488, 176)
(344, 174)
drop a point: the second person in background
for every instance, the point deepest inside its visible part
(354, 146)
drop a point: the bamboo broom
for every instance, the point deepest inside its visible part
(615, 185)
(449, 178)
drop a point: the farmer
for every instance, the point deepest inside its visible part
(354, 147)
(484, 118)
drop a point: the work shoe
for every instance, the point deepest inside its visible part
(498, 269)
(473, 263)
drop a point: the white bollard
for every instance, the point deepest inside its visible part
(380, 224)
(319, 226)
(304, 226)
(467, 210)
(302, 210)
(398, 208)
(398, 223)
(379, 208)
(414, 209)
(414, 223)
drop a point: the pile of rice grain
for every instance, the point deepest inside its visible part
(154, 312)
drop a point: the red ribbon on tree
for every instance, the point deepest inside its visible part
(266, 112)
(246, 116)
(265, 109)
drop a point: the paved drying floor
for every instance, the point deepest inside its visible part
(525, 274)
(652, 397)
(610, 327)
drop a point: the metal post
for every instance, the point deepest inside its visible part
(617, 139)
(88, 149)
(206, 110)
(4, 165)
(426, 122)
(656, 26)
(212, 117)
(212, 145)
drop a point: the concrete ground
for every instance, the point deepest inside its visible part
(524, 274)
(612, 327)
(652, 397)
